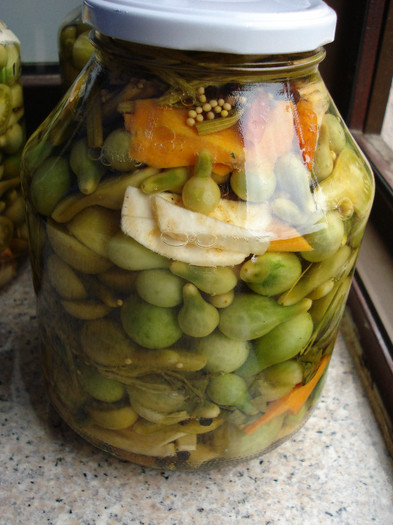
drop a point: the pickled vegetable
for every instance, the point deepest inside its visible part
(200, 193)
(74, 46)
(50, 183)
(271, 273)
(199, 234)
(197, 317)
(222, 353)
(283, 342)
(115, 152)
(87, 170)
(159, 287)
(149, 325)
(230, 390)
(251, 316)
(208, 279)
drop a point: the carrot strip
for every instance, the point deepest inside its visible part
(296, 244)
(292, 402)
(221, 169)
(306, 125)
(285, 238)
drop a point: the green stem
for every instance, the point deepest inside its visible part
(204, 164)
(218, 124)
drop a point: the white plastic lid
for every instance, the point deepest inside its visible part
(230, 26)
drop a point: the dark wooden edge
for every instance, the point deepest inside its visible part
(40, 75)
(42, 90)
(371, 356)
(382, 78)
(377, 356)
(367, 62)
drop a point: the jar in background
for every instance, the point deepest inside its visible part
(74, 46)
(195, 207)
(13, 230)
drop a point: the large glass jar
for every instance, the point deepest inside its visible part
(13, 231)
(195, 218)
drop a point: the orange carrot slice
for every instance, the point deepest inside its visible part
(306, 125)
(221, 169)
(296, 244)
(292, 402)
(286, 239)
(162, 138)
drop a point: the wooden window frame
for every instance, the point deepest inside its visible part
(368, 324)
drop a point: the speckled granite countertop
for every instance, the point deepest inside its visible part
(334, 470)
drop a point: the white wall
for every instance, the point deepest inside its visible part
(36, 24)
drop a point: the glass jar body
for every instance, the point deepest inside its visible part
(13, 231)
(194, 224)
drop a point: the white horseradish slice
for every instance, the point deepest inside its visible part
(253, 216)
(206, 231)
(138, 221)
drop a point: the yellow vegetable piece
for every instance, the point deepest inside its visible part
(350, 179)
(116, 419)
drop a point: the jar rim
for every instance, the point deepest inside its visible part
(235, 26)
(210, 62)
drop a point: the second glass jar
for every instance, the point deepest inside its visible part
(13, 231)
(74, 46)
